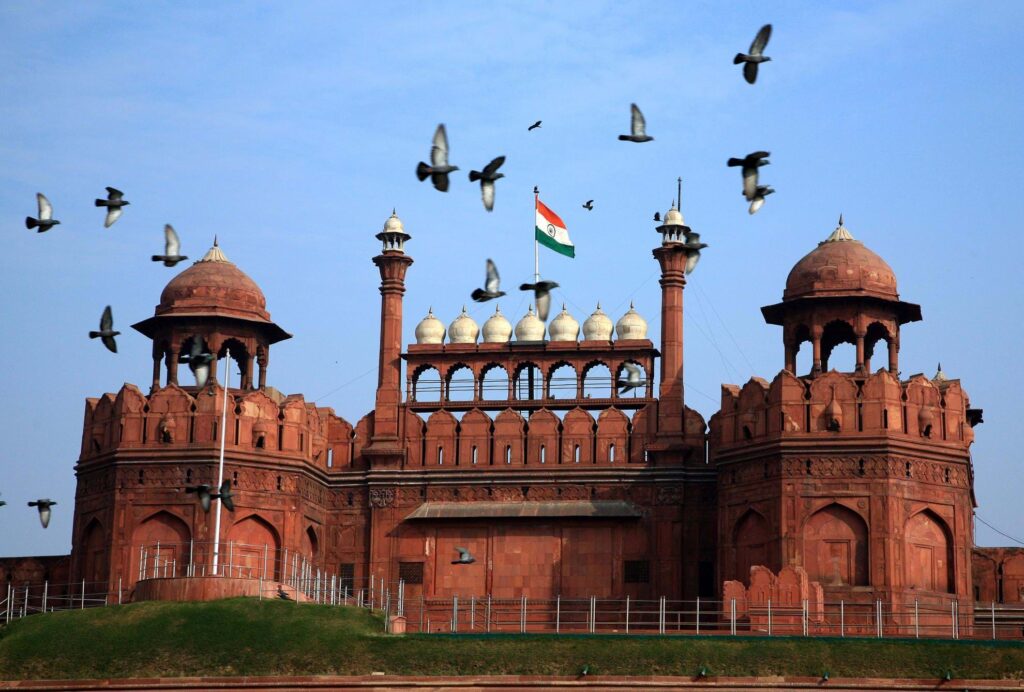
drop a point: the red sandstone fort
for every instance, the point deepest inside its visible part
(518, 446)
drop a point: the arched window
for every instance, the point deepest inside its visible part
(474, 454)
(836, 547)
(440, 456)
(929, 555)
(542, 454)
(576, 453)
(611, 453)
(508, 454)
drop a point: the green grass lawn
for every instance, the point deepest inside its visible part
(249, 637)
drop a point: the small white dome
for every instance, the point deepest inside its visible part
(463, 329)
(564, 327)
(530, 328)
(393, 224)
(430, 330)
(497, 329)
(631, 325)
(598, 327)
(673, 217)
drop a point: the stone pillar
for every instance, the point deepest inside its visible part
(247, 373)
(672, 259)
(816, 343)
(263, 358)
(860, 351)
(157, 357)
(894, 360)
(392, 265)
(172, 364)
(791, 352)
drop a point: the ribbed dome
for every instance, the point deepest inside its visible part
(497, 329)
(430, 330)
(631, 325)
(841, 266)
(598, 327)
(463, 330)
(530, 328)
(393, 224)
(564, 327)
(213, 286)
(673, 217)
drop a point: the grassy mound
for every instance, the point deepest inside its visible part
(249, 637)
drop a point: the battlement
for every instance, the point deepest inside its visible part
(834, 404)
(173, 418)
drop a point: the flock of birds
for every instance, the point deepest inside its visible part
(439, 170)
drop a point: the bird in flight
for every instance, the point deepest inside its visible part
(43, 506)
(45, 221)
(749, 166)
(115, 203)
(198, 359)
(534, 126)
(542, 295)
(487, 177)
(589, 205)
(492, 285)
(465, 558)
(694, 246)
(106, 333)
(757, 200)
(439, 168)
(637, 127)
(172, 246)
(657, 216)
(756, 56)
(633, 380)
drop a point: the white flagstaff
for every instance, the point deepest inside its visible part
(536, 245)
(220, 466)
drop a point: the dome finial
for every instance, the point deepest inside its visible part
(840, 233)
(840, 218)
(215, 240)
(939, 375)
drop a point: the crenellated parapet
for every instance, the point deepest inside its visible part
(261, 424)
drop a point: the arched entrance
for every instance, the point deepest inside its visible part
(929, 558)
(836, 547)
(751, 540)
(254, 549)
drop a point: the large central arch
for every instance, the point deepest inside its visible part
(836, 547)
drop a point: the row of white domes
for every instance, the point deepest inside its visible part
(497, 329)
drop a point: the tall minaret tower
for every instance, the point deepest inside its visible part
(680, 248)
(385, 446)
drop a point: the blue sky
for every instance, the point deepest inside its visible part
(292, 131)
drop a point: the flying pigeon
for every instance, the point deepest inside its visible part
(757, 201)
(542, 295)
(202, 491)
(438, 169)
(657, 216)
(226, 496)
(756, 56)
(750, 165)
(44, 510)
(465, 558)
(589, 206)
(282, 594)
(637, 127)
(114, 203)
(106, 333)
(45, 221)
(487, 178)
(172, 246)
(492, 285)
(632, 381)
(694, 246)
(198, 359)
(534, 126)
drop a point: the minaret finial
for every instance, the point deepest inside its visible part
(679, 193)
(840, 218)
(215, 240)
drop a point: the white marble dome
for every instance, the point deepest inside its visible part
(631, 325)
(393, 224)
(430, 330)
(564, 327)
(497, 329)
(463, 329)
(530, 328)
(673, 217)
(598, 327)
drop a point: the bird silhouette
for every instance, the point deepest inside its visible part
(633, 380)
(282, 594)
(439, 168)
(693, 246)
(465, 558)
(226, 496)
(198, 359)
(202, 492)
(756, 55)
(749, 165)
(115, 203)
(45, 221)
(43, 506)
(589, 205)
(492, 285)
(2, 503)
(657, 216)
(757, 201)
(172, 248)
(487, 177)
(542, 295)
(106, 333)
(637, 127)
(534, 126)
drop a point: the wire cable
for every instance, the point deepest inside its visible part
(1004, 535)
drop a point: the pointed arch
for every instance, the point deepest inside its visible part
(256, 548)
(95, 560)
(836, 547)
(750, 537)
(165, 537)
(928, 559)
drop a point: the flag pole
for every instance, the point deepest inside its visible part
(220, 465)
(536, 246)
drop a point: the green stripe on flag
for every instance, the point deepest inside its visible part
(549, 242)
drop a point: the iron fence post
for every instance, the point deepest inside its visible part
(698, 614)
(593, 613)
(842, 618)
(156, 560)
(46, 589)
(803, 615)
(769, 617)
(627, 614)
(472, 613)
(455, 614)
(119, 591)
(83, 594)
(522, 616)
(190, 571)
(661, 615)
(558, 613)
(488, 613)
(993, 619)
(423, 608)
(917, 621)
(732, 616)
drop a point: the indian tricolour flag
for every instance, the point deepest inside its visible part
(551, 231)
